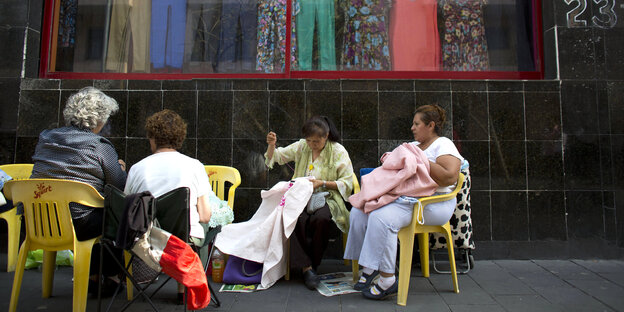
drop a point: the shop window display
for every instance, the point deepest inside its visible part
(204, 37)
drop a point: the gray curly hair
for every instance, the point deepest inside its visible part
(88, 107)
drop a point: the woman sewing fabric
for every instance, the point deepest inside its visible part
(373, 236)
(327, 163)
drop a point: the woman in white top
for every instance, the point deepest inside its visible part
(372, 237)
(167, 169)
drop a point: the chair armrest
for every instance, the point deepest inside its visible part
(424, 201)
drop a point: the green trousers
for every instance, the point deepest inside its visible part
(323, 12)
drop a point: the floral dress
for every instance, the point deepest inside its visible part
(272, 32)
(67, 23)
(366, 35)
(464, 45)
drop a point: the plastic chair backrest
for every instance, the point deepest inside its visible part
(18, 171)
(218, 175)
(438, 198)
(356, 184)
(172, 212)
(46, 208)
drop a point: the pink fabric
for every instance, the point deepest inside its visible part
(405, 171)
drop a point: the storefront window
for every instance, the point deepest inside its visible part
(207, 37)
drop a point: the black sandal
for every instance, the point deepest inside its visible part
(369, 279)
(383, 293)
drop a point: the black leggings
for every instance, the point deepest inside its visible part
(312, 236)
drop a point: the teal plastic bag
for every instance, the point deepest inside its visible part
(34, 259)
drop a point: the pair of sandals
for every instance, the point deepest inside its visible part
(375, 291)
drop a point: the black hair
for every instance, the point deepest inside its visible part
(320, 126)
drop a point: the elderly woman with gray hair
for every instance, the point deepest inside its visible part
(77, 152)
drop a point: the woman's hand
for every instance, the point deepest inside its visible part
(122, 164)
(271, 138)
(316, 183)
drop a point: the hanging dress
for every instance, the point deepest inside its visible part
(464, 45)
(272, 33)
(366, 35)
(415, 42)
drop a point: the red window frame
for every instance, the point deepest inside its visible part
(48, 45)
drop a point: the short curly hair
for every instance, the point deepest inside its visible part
(167, 129)
(88, 107)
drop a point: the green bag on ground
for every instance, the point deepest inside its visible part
(34, 259)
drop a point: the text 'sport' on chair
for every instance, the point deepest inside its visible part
(11, 216)
(49, 227)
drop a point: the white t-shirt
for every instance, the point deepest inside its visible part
(441, 146)
(162, 172)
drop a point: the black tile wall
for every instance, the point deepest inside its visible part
(395, 115)
(142, 104)
(507, 165)
(7, 147)
(547, 215)
(250, 114)
(360, 115)
(287, 113)
(327, 103)
(471, 116)
(506, 111)
(11, 49)
(481, 214)
(582, 162)
(39, 110)
(215, 151)
(10, 90)
(185, 104)
(363, 154)
(509, 216)
(576, 53)
(25, 148)
(116, 125)
(214, 114)
(616, 106)
(478, 155)
(544, 165)
(610, 221)
(580, 112)
(543, 116)
(245, 157)
(614, 49)
(584, 214)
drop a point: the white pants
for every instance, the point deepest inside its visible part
(373, 237)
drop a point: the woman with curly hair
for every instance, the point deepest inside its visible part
(77, 152)
(167, 169)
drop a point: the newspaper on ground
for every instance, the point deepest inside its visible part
(333, 284)
(240, 288)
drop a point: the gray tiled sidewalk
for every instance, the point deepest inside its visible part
(497, 285)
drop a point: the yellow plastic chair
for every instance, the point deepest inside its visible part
(49, 227)
(406, 240)
(356, 189)
(218, 176)
(14, 224)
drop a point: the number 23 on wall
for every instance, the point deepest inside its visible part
(605, 18)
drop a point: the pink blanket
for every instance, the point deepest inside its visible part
(404, 171)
